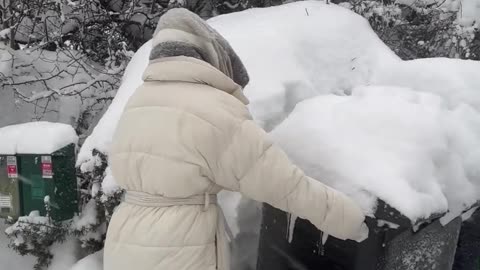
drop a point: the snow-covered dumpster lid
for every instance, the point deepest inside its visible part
(415, 151)
(41, 156)
(36, 138)
(407, 157)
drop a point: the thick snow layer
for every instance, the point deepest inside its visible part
(456, 81)
(36, 138)
(109, 186)
(390, 143)
(321, 49)
(64, 254)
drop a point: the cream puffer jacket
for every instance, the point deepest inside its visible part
(187, 132)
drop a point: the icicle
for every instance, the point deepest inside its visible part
(324, 238)
(291, 227)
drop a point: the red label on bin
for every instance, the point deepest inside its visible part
(47, 170)
(12, 167)
(12, 171)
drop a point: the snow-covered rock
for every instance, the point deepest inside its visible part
(36, 138)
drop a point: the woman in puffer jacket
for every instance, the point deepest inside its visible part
(185, 135)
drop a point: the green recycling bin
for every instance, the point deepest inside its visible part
(49, 179)
(9, 188)
(37, 170)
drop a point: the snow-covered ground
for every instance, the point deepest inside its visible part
(92, 262)
(8, 258)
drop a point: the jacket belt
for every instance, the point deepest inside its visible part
(149, 200)
(222, 233)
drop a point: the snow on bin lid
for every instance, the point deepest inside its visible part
(36, 138)
(411, 149)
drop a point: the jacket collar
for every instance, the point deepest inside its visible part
(191, 70)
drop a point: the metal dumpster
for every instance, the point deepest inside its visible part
(393, 247)
(52, 175)
(467, 256)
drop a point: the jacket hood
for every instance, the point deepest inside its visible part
(182, 33)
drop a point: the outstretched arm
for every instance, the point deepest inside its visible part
(264, 173)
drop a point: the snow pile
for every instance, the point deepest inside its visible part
(88, 218)
(390, 143)
(456, 81)
(102, 134)
(322, 49)
(36, 138)
(86, 221)
(91, 262)
(64, 254)
(109, 186)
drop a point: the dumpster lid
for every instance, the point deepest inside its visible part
(36, 138)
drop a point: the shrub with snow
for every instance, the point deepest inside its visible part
(420, 29)
(34, 235)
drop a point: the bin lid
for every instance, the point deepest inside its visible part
(36, 138)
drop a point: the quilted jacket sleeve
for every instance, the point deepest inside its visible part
(264, 173)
